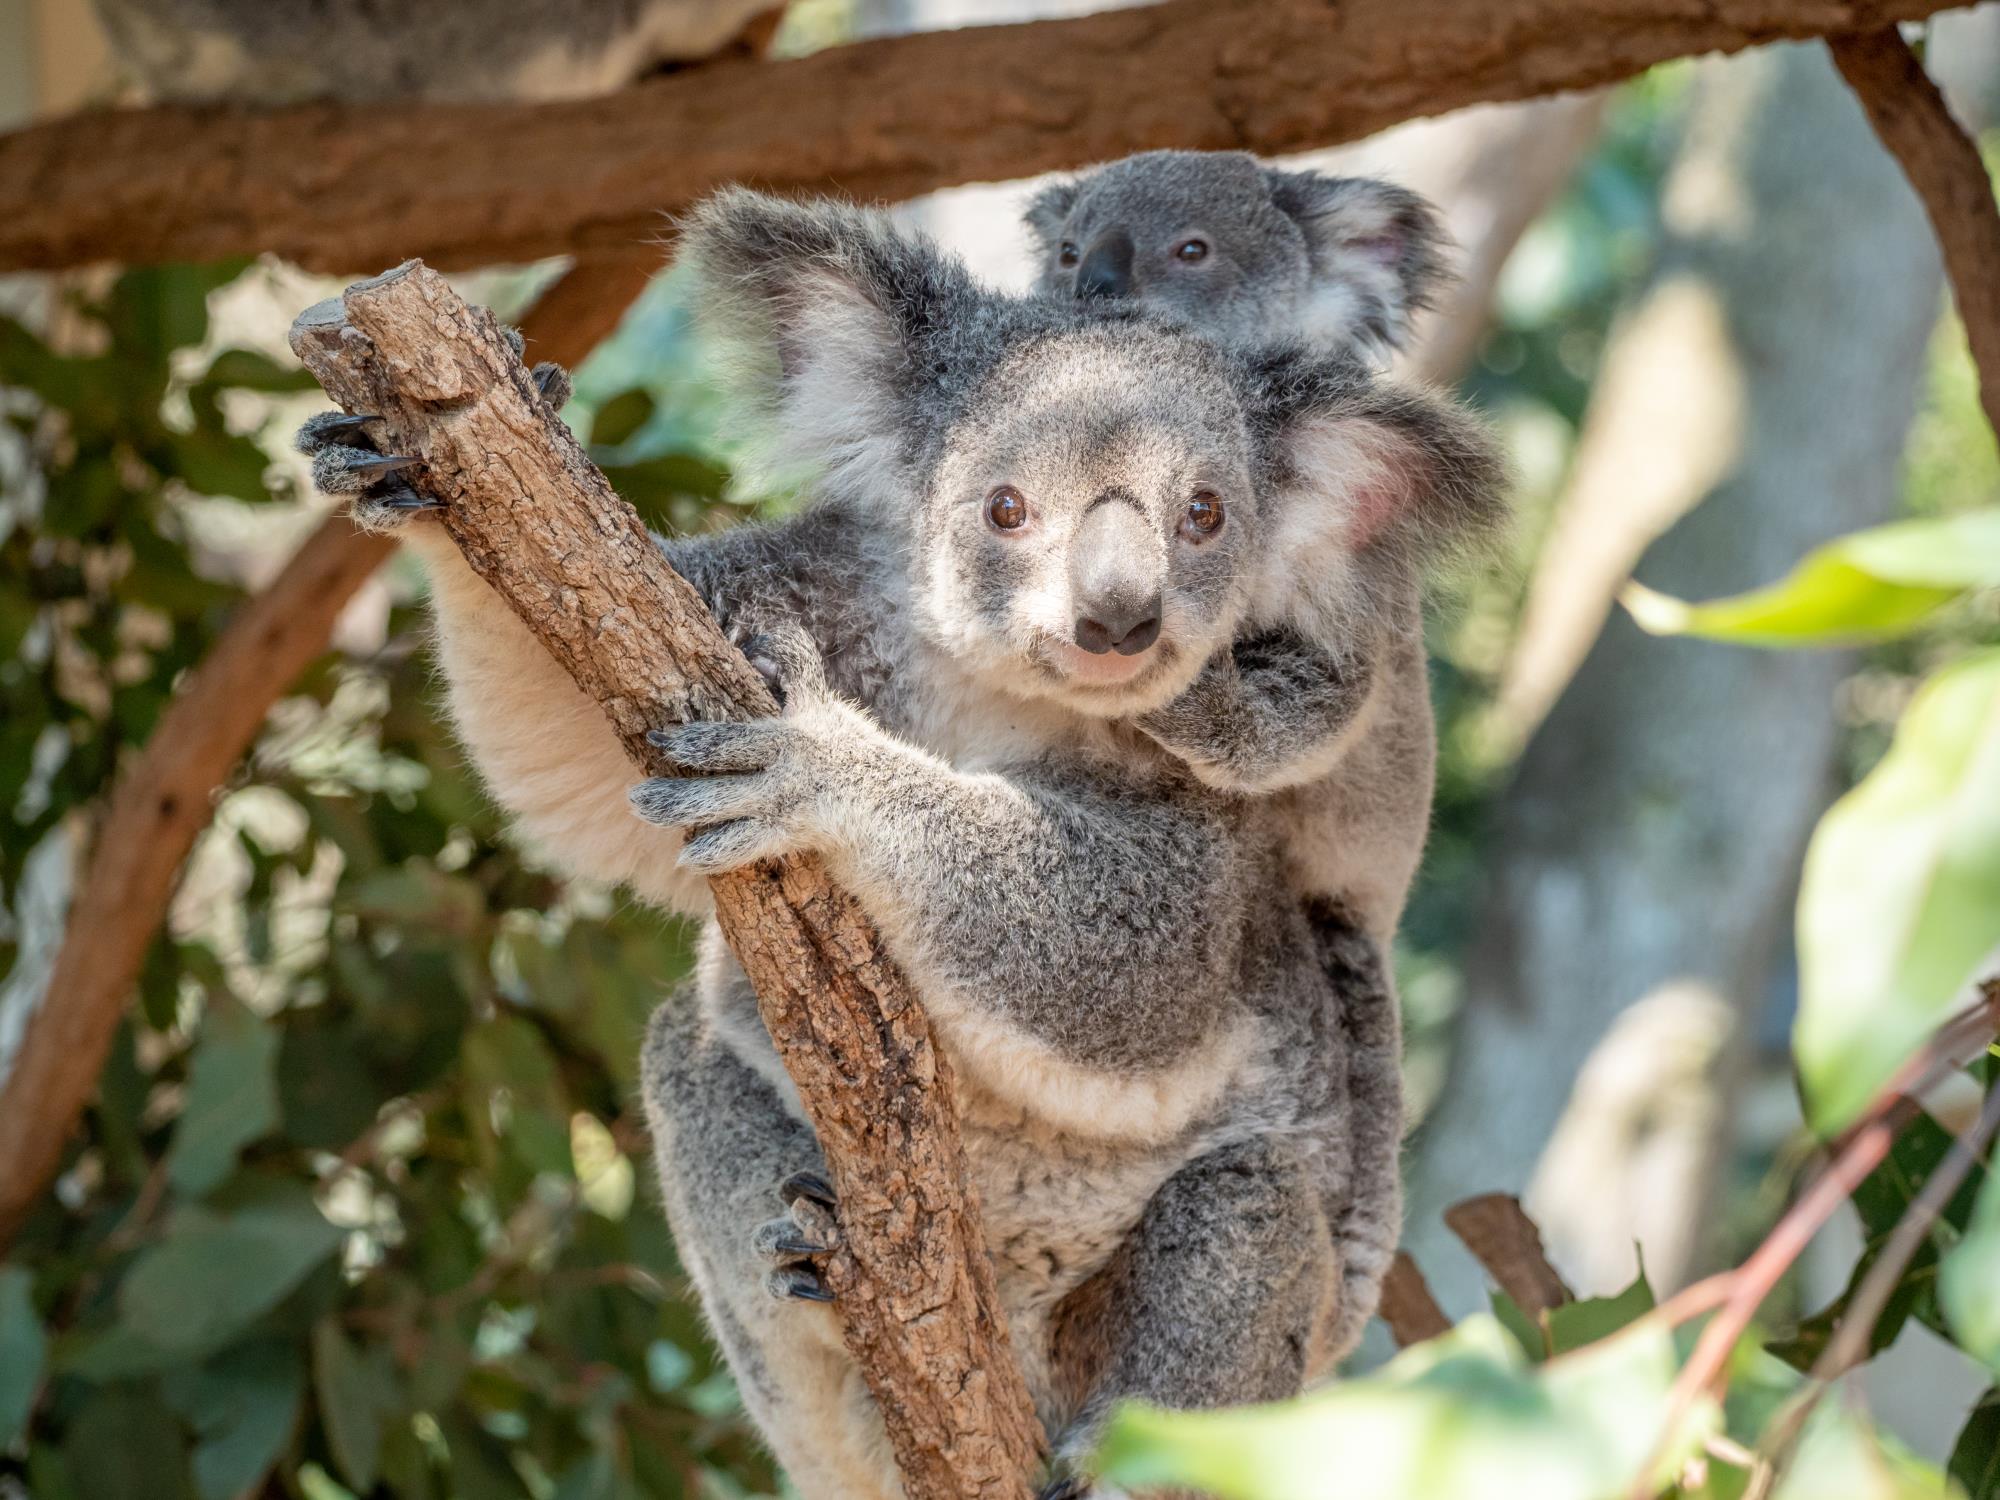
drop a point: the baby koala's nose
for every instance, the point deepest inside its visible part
(1107, 268)
(1128, 629)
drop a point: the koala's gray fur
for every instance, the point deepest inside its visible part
(1322, 701)
(283, 51)
(1159, 1066)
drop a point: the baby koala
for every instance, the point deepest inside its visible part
(1321, 702)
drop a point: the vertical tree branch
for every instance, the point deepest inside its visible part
(1943, 164)
(540, 524)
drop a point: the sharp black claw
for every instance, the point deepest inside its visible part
(809, 1185)
(1071, 1488)
(402, 497)
(793, 1244)
(660, 739)
(383, 463)
(348, 422)
(803, 1284)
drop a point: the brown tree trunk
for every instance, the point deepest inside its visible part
(540, 524)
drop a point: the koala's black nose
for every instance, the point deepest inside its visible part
(1107, 268)
(1128, 630)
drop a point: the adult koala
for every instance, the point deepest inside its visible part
(1009, 555)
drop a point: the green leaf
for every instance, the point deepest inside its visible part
(125, 1446)
(1842, 1457)
(22, 1348)
(242, 1407)
(1576, 1324)
(357, 1396)
(1869, 586)
(620, 417)
(232, 1097)
(216, 1273)
(1462, 1415)
(1969, 1282)
(1900, 898)
(1975, 1457)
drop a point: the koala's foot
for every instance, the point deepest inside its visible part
(805, 1230)
(347, 462)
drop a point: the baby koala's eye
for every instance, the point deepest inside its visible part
(1191, 251)
(1204, 517)
(1068, 255)
(1006, 509)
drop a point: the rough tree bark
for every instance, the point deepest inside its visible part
(538, 522)
(1644, 858)
(165, 798)
(337, 187)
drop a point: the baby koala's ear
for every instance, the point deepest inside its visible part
(1394, 467)
(1379, 255)
(1047, 212)
(821, 313)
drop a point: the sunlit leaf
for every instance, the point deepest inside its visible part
(1975, 1457)
(1969, 1282)
(232, 1097)
(1900, 898)
(1463, 1415)
(1867, 586)
(22, 1347)
(1585, 1321)
(1842, 1458)
(620, 417)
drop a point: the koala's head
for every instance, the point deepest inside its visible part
(1084, 492)
(1241, 250)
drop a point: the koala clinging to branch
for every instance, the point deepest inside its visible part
(1323, 698)
(1036, 520)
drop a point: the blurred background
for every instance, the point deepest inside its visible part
(361, 1200)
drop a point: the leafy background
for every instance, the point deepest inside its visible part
(362, 1206)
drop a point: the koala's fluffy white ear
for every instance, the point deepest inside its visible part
(1394, 468)
(1378, 254)
(819, 313)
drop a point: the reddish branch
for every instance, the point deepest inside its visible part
(166, 796)
(342, 188)
(1944, 166)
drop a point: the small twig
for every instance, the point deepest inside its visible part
(1944, 166)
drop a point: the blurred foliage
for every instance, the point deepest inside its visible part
(360, 1206)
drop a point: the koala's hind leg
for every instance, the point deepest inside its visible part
(740, 1176)
(1226, 1291)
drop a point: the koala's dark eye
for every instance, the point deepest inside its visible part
(1006, 509)
(1191, 251)
(1068, 255)
(1203, 519)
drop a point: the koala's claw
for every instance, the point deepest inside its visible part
(807, 1185)
(552, 382)
(328, 427)
(716, 748)
(798, 1283)
(1067, 1488)
(788, 659)
(398, 498)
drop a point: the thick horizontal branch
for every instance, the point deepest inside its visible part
(340, 188)
(540, 524)
(1943, 164)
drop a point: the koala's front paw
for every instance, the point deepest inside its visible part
(346, 460)
(807, 1229)
(755, 789)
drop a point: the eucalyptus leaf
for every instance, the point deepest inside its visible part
(1841, 1457)
(216, 1273)
(357, 1397)
(232, 1097)
(1867, 586)
(1463, 1415)
(22, 1351)
(242, 1407)
(1969, 1282)
(1975, 1457)
(1900, 898)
